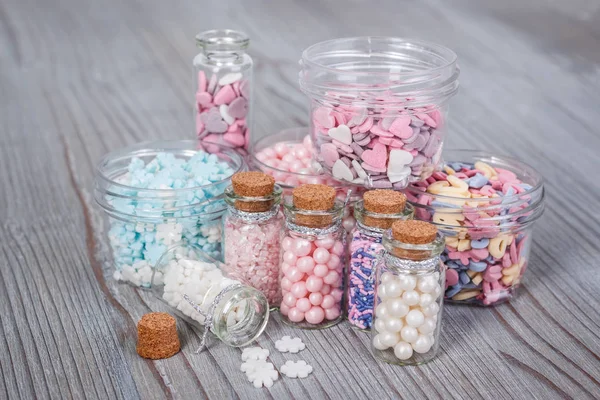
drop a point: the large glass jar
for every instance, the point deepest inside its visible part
(252, 234)
(312, 267)
(378, 107)
(409, 297)
(486, 206)
(157, 194)
(194, 285)
(365, 246)
(223, 86)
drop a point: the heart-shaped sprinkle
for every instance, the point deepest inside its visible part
(376, 157)
(400, 127)
(380, 132)
(224, 110)
(203, 98)
(245, 89)
(225, 95)
(201, 81)
(215, 124)
(229, 78)
(359, 170)
(238, 108)
(399, 158)
(358, 117)
(329, 153)
(341, 171)
(236, 139)
(372, 168)
(323, 117)
(342, 134)
(366, 126)
(399, 174)
(212, 84)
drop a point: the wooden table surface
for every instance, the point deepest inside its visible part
(79, 78)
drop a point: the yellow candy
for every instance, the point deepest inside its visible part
(512, 270)
(448, 219)
(449, 170)
(452, 241)
(466, 294)
(497, 246)
(486, 169)
(464, 245)
(436, 186)
(477, 279)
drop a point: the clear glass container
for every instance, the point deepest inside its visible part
(197, 289)
(378, 107)
(223, 82)
(408, 302)
(156, 194)
(286, 156)
(365, 246)
(252, 241)
(312, 267)
(488, 236)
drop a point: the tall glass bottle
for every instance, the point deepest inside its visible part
(223, 82)
(409, 294)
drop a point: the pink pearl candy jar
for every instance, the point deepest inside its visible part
(312, 263)
(252, 232)
(223, 98)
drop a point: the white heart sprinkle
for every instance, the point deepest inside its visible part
(341, 171)
(230, 78)
(342, 134)
(398, 159)
(359, 169)
(224, 110)
(399, 174)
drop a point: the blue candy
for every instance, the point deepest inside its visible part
(477, 181)
(480, 244)
(477, 266)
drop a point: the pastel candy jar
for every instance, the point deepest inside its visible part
(378, 107)
(486, 205)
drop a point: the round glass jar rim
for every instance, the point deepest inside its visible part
(222, 40)
(434, 248)
(493, 160)
(360, 212)
(336, 212)
(114, 165)
(231, 197)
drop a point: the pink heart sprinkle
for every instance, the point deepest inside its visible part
(376, 157)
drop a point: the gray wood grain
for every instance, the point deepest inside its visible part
(80, 78)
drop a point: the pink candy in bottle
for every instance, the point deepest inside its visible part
(252, 232)
(312, 248)
(223, 81)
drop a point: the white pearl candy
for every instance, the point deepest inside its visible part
(393, 289)
(381, 311)
(403, 351)
(386, 277)
(393, 324)
(407, 282)
(377, 343)
(427, 284)
(389, 338)
(426, 299)
(409, 334)
(431, 310)
(396, 308)
(428, 326)
(380, 325)
(422, 344)
(415, 318)
(411, 297)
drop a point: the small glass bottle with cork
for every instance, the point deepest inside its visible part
(409, 294)
(312, 270)
(252, 232)
(375, 213)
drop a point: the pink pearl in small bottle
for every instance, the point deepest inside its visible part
(301, 247)
(332, 278)
(289, 299)
(321, 270)
(321, 255)
(285, 267)
(315, 298)
(286, 284)
(281, 149)
(284, 309)
(328, 301)
(287, 243)
(338, 249)
(315, 315)
(314, 283)
(326, 243)
(299, 290)
(334, 261)
(289, 257)
(303, 305)
(305, 264)
(337, 294)
(326, 289)
(332, 313)
(295, 315)
(294, 274)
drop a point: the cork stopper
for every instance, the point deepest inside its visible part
(313, 198)
(157, 336)
(253, 184)
(413, 232)
(382, 201)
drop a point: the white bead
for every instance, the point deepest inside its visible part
(386, 277)
(427, 284)
(403, 351)
(382, 292)
(381, 311)
(415, 318)
(411, 297)
(389, 338)
(428, 326)
(431, 310)
(437, 291)
(393, 324)
(426, 299)
(379, 324)
(409, 334)
(393, 289)
(407, 282)
(396, 308)
(422, 344)
(378, 344)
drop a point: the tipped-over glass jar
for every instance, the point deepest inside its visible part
(223, 80)
(409, 294)
(374, 214)
(194, 285)
(252, 232)
(378, 107)
(312, 268)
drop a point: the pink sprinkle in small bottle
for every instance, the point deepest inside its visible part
(312, 266)
(252, 232)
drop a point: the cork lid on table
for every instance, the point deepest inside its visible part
(253, 184)
(157, 336)
(382, 201)
(313, 197)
